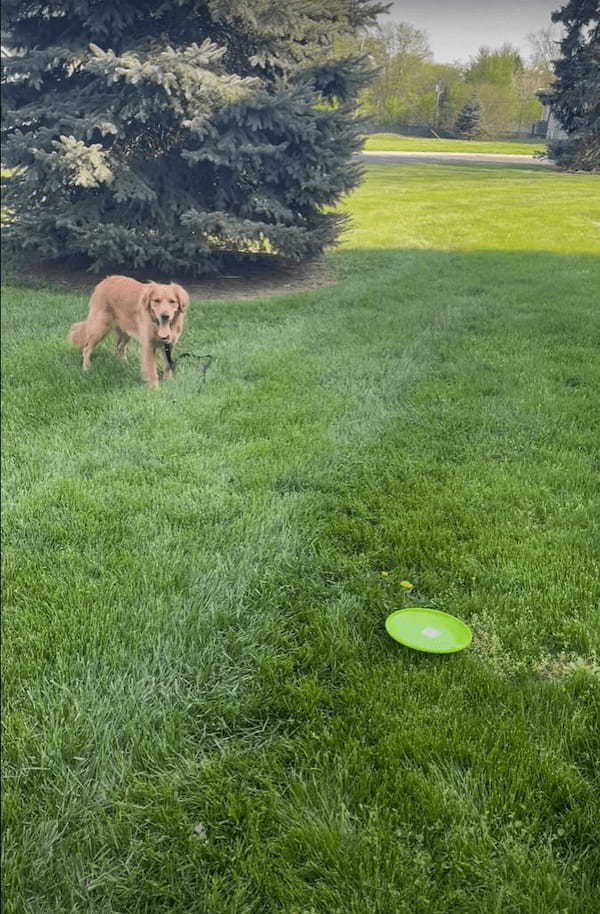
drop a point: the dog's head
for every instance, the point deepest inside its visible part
(165, 305)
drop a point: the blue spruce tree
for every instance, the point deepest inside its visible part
(468, 121)
(575, 94)
(177, 135)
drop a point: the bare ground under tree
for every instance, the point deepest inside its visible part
(255, 280)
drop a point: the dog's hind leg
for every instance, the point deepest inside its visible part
(122, 343)
(96, 332)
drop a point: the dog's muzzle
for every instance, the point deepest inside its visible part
(164, 328)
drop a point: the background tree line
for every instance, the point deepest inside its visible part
(492, 95)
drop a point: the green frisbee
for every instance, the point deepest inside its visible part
(428, 630)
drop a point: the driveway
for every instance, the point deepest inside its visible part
(452, 158)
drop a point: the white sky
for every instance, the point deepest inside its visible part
(457, 28)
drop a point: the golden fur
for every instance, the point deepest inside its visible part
(151, 313)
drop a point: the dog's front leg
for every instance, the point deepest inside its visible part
(148, 362)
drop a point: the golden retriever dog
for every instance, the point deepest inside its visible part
(151, 313)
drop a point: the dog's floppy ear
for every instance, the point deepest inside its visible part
(147, 293)
(182, 297)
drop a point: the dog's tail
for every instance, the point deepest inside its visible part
(78, 334)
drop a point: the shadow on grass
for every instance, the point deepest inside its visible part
(535, 276)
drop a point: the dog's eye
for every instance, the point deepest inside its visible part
(172, 301)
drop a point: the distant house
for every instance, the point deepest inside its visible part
(548, 126)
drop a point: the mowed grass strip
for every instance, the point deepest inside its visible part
(202, 708)
(397, 142)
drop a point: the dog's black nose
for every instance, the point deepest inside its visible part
(164, 318)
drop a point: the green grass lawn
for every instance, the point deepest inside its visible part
(395, 142)
(203, 711)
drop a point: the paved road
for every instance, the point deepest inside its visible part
(453, 158)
